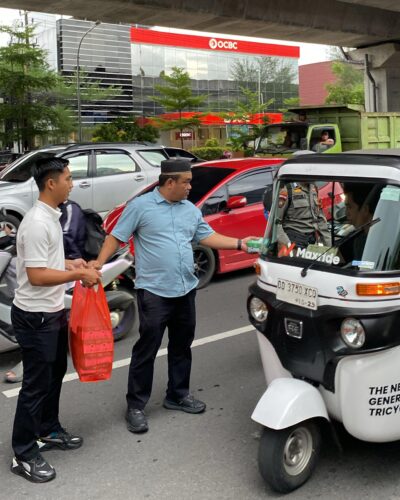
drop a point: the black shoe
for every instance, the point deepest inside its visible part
(36, 470)
(136, 421)
(60, 439)
(188, 404)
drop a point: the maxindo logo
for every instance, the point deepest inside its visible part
(222, 44)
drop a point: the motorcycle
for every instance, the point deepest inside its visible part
(327, 318)
(117, 282)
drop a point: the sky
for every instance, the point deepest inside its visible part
(309, 53)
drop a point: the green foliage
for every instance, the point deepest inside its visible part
(176, 93)
(209, 153)
(349, 88)
(289, 102)
(29, 108)
(125, 130)
(176, 96)
(247, 106)
(90, 89)
(238, 143)
(212, 143)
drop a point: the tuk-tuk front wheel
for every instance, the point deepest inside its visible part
(287, 457)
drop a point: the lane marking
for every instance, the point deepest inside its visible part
(12, 393)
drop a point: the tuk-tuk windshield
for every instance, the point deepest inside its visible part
(351, 225)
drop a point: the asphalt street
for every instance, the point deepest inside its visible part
(189, 457)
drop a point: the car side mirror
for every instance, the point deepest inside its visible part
(236, 202)
(267, 197)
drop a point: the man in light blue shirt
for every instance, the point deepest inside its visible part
(164, 224)
(163, 233)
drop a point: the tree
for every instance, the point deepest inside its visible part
(263, 70)
(91, 89)
(336, 54)
(247, 106)
(29, 108)
(176, 96)
(123, 129)
(289, 102)
(349, 87)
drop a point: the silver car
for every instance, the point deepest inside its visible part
(104, 175)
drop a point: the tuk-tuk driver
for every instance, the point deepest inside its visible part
(360, 203)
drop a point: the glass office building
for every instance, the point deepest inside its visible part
(105, 58)
(217, 66)
(134, 58)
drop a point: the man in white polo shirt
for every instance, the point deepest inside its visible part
(40, 323)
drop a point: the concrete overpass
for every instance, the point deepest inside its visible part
(349, 23)
(373, 26)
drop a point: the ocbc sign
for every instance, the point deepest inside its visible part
(222, 44)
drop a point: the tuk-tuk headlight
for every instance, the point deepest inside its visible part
(258, 309)
(353, 333)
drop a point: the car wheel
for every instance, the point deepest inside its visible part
(288, 457)
(204, 264)
(11, 221)
(124, 320)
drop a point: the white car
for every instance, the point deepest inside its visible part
(104, 175)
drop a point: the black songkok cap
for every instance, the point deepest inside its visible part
(175, 166)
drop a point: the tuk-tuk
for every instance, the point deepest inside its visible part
(328, 315)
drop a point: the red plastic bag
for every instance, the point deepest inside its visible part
(91, 340)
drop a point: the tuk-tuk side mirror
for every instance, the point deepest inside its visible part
(236, 202)
(267, 197)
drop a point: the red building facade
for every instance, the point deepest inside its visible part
(313, 79)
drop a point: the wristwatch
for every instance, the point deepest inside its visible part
(239, 244)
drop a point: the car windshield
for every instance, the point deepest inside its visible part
(19, 170)
(5, 157)
(179, 153)
(281, 138)
(348, 225)
(153, 156)
(204, 179)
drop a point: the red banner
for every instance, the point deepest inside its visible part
(210, 119)
(212, 43)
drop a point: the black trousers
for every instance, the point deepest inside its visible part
(155, 314)
(43, 338)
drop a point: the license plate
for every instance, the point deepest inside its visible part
(299, 295)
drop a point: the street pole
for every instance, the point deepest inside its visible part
(78, 81)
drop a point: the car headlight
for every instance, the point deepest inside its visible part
(258, 309)
(353, 333)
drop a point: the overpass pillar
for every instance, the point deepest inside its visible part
(382, 76)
